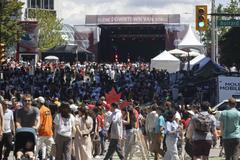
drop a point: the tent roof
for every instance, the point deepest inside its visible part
(197, 59)
(210, 69)
(190, 41)
(165, 56)
(177, 52)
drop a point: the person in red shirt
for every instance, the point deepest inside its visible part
(101, 131)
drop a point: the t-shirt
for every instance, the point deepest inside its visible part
(8, 117)
(64, 125)
(27, 118)
(100, 121)
(230, 119)
(45, 128)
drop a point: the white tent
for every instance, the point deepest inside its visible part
(194, 61)
(190, 41)
(178, 52)
(191, 54)
(165, 61)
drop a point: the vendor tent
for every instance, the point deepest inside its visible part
(178, 52)
(190, 41)
(191, 54)
(165, 61)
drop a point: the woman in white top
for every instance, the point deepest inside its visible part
(83, 142)
(64, 124)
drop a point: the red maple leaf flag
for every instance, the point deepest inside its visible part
(112, 96)
(124, 104)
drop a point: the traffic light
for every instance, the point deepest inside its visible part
(201, 18)
(2, 53)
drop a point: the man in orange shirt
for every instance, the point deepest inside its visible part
(45, 132)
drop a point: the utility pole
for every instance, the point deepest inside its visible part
(213, 33)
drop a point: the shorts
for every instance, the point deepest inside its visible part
(201, 147)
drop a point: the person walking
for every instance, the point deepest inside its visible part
(8, 131)
(45, 132)
(202, 132)
(27, 116)
(83, 143)
(116, 133)
(230, 129)
(171, 133)
(150, 123)
(64, 124)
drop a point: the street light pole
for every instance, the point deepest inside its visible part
(213, 33)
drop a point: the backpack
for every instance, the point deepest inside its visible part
(203, 123)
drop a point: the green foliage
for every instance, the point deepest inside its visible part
(10, 29)
(49, 29)
(229, 42)
(230, 47)
(229, 39)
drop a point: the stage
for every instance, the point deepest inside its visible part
(124, 42)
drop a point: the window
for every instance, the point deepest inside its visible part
(33, 4)
(38, 4)
(51, 4)
(28, 3)
(45, 6)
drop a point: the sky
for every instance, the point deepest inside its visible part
(74, 11)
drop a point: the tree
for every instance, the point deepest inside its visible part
(49, 29)
(229, 39)
(10, 29)
(230, 48)
(225, 35)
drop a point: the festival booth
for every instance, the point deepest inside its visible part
(178, 52)
(165, 61)
(190, 41)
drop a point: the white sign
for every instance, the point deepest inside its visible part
(227, 87)
(133, 19)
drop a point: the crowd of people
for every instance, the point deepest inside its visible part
(66, 107)
(85, 82)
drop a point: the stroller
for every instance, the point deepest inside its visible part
(25, 144)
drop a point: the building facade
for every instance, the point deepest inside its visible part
(30, 5)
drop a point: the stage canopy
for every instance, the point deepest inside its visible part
(165, 61)
(190, 41)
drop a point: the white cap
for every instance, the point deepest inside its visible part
(41, 99)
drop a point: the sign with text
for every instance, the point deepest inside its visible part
(227, 87)
(132, 19)
(228, 23)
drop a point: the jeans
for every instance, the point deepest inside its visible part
(7, 142)
(114, 146)
(102, 135)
